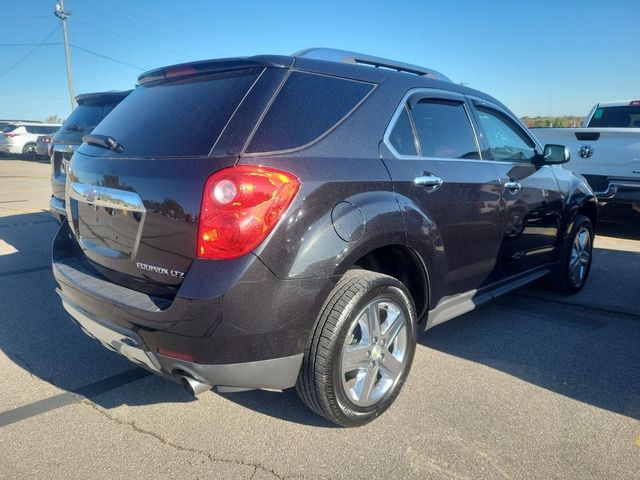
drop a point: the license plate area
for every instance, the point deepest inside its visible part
(108, 228)
(106, 221)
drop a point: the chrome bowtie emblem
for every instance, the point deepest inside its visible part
(586, 151)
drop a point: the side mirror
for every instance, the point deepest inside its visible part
(555, 154)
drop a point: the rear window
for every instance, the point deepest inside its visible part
(183, 117)
(86, 117)
(616, 117)
(307, 107)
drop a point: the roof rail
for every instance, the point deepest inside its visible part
(343, 56)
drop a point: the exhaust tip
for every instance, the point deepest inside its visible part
(195, 387)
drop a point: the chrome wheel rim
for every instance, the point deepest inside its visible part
(580, 257)
(375, 352)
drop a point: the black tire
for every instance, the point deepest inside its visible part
(29, 151)
(562, 280)
(321, 380)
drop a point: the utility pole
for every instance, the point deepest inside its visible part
(62, 14)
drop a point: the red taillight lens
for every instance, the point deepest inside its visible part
(635, 103)
(240, 206)
(11, 134)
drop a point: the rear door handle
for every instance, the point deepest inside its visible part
(513, 187)
(428, 180)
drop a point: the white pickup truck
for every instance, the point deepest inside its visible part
(606, 150)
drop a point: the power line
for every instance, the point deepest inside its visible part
(13, 17)
(29, 44)
(144, 42)
(107, 57)
(28, 54)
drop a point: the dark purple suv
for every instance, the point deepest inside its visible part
(272, 221)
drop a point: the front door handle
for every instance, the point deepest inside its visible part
(428, 180)
(513, 187)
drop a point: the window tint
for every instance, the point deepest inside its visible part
(183, 117)
(616, 117)
(307, 106)
(506, 140)
(40, 129)
(9, 128)
(86, 117)
(402, 137)
(443, 129)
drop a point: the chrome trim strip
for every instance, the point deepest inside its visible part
(107, 197)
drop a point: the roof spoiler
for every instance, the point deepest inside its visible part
(343, 56)
(211, 66)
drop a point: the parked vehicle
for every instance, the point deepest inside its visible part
(20, 138)
(43, 142)
(273, 221)
(91, 109)
(606, 150)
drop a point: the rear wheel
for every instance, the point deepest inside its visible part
(572, 271)
(29, 151)
(361, 350)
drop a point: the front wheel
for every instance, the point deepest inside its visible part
(361, 349)
(572, 271)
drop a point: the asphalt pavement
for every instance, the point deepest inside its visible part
(532, 386)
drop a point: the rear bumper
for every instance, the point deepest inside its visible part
(231, 323)
(620, 191)
(277, 373)
(57, 209)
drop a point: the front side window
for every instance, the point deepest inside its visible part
(506, 140)
(444, 129)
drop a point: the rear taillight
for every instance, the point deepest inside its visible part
(11, 134)
(240, 206)
(635, 103)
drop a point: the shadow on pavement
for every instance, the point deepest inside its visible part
(585, 347)
(560, 344)
(38, 335)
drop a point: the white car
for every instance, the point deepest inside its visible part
(20, 138)
(606, 150)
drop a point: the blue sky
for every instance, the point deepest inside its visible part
(539, 57)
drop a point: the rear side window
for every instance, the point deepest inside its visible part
(40, 129)
(444, 129)
(308, 106)
(183, 117)
(402, 137)
(616, 117)
(9, 128)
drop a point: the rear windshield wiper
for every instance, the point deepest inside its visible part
(103, 141)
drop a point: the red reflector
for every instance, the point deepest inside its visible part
(635, 103)
(179, 355)
(180, 71)
(240, 206)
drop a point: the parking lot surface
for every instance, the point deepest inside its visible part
(530, 386)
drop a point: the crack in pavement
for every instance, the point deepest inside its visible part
(208, 455)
